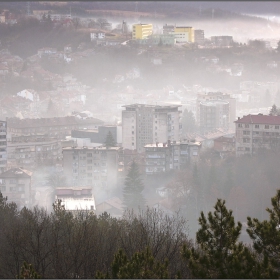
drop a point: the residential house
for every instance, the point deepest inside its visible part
(112, 206)
(225, 145)
(15, 184)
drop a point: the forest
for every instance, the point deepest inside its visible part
(144, 244)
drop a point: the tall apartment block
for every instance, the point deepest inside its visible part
(214, 106)
(142, 31)
(3, 146)
(145, 124)
(257, 131)
(96, 167)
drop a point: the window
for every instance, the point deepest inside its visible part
(89, 155)
(276, 126)
(240, 125)
(247, 149)
(246, 125)
(257, 126)
(266, 126)
(246, 140)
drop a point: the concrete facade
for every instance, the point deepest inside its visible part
(144, 124)
(96, 167)
(254, 132)
(15, 184)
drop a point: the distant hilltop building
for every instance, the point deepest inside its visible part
(184, 34)
(145, 124)
(199, 36)
(142, 31)
(222, 41)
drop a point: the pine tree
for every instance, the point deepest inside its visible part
(132, 192)
(273, 111)
(266, 237)
(218, 253)
(142, 265)
(28, 272)
(110, 141)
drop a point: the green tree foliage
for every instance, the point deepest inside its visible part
(266, 237)
(132, 191)
(188, 122)
(142, 265)
(28, 272)
(110, 141)
(219, 254)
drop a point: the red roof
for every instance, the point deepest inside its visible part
(259, 119)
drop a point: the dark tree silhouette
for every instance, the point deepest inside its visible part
(132, 192)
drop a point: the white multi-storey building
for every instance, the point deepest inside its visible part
(145, 124)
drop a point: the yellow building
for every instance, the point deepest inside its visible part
(184, 34)
(142, 31)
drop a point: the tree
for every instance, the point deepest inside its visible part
(218, 254)
(28, 272)
(188, 122)
(142, 265)
(266, 237)
(132, 192)
(110, 141)
(274, 111)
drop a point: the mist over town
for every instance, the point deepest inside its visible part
(139, 139)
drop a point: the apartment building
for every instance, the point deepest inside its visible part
(15, 184)
(257, 131)
(163, 157)
(184, 34)
(142, 31)
(3, 145)
(144, 124)
(34, 153)
(214, 98)
(87, 166)
(213, 115)
(49, 127)
(157, 157)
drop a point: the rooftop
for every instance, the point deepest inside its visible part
(43, 122)
(259, 119)
(91, 148)
(16, 173)
(151, 106)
